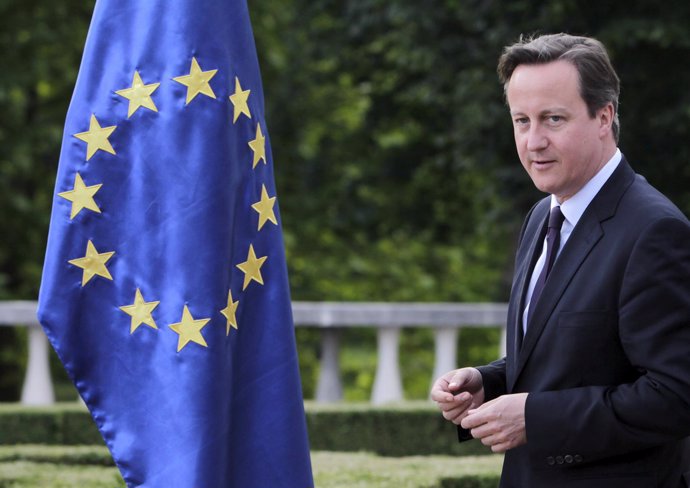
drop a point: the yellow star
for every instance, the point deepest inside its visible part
(239, 101)
(252, 268)
(81, 196)
(96, 138)
(258, 145)
(197, 81)
(93, 263)
(229, 313)
(265, 208)
(140, 312)
(189, 330)
(139, 95)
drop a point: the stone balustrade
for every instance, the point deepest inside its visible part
(38, 385)
(388, 318)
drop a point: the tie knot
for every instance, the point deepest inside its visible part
(556, 218)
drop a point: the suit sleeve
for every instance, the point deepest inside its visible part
(596, 422)
(494, 374)
(494, 384)
(494, 379)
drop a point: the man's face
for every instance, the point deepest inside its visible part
(558, 143)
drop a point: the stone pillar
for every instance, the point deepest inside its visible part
(502, 345)
(329, 389)
(388, 382)
(446, 346)
(38, 386)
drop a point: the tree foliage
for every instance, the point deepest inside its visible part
(395, 164)
(41, 42)
(396, 172)
(396, 168)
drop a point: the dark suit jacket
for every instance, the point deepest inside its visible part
(606, 356)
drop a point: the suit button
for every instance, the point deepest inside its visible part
(559, 459)
(569, 459)
(577, 458)
(550, 461)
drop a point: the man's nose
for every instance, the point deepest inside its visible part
(536, 139)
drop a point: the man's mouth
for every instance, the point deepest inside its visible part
(542, 163)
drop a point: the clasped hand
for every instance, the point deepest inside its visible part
(499, 423)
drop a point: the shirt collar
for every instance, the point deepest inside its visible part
(575, 206)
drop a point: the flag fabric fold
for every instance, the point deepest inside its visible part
(164, 288)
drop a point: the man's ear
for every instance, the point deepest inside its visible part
(605, 116)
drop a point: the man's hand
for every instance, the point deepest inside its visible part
(499, 423)
(458, 391)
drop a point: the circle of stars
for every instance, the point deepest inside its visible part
(139, 95)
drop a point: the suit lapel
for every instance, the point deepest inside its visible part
(567, 264)
(535, 248)
(584, 237)
(533, 239)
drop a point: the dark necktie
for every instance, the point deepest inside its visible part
(553, 240)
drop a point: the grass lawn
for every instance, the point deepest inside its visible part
(363, 470)
(91, 467)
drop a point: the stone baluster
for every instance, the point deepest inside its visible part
(445, 347)
(329, 389)
(38, 385)
(388, 382)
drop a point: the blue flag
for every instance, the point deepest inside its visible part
(165, 290)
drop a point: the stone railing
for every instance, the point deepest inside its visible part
(389, 318)
(38, 385)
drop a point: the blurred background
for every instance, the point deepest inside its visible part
(396, 172)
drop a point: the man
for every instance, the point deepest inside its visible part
(595, 388)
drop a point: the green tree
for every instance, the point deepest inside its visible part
(397, 174)
(396, 171)
(395, 163)
(41, 44)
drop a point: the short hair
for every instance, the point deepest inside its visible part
(599, 83)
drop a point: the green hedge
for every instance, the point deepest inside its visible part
(64, 455)
(414, 428)
(68, 424)
(401, 430)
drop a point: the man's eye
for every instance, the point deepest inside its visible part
(555, 118)
(521, 121)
